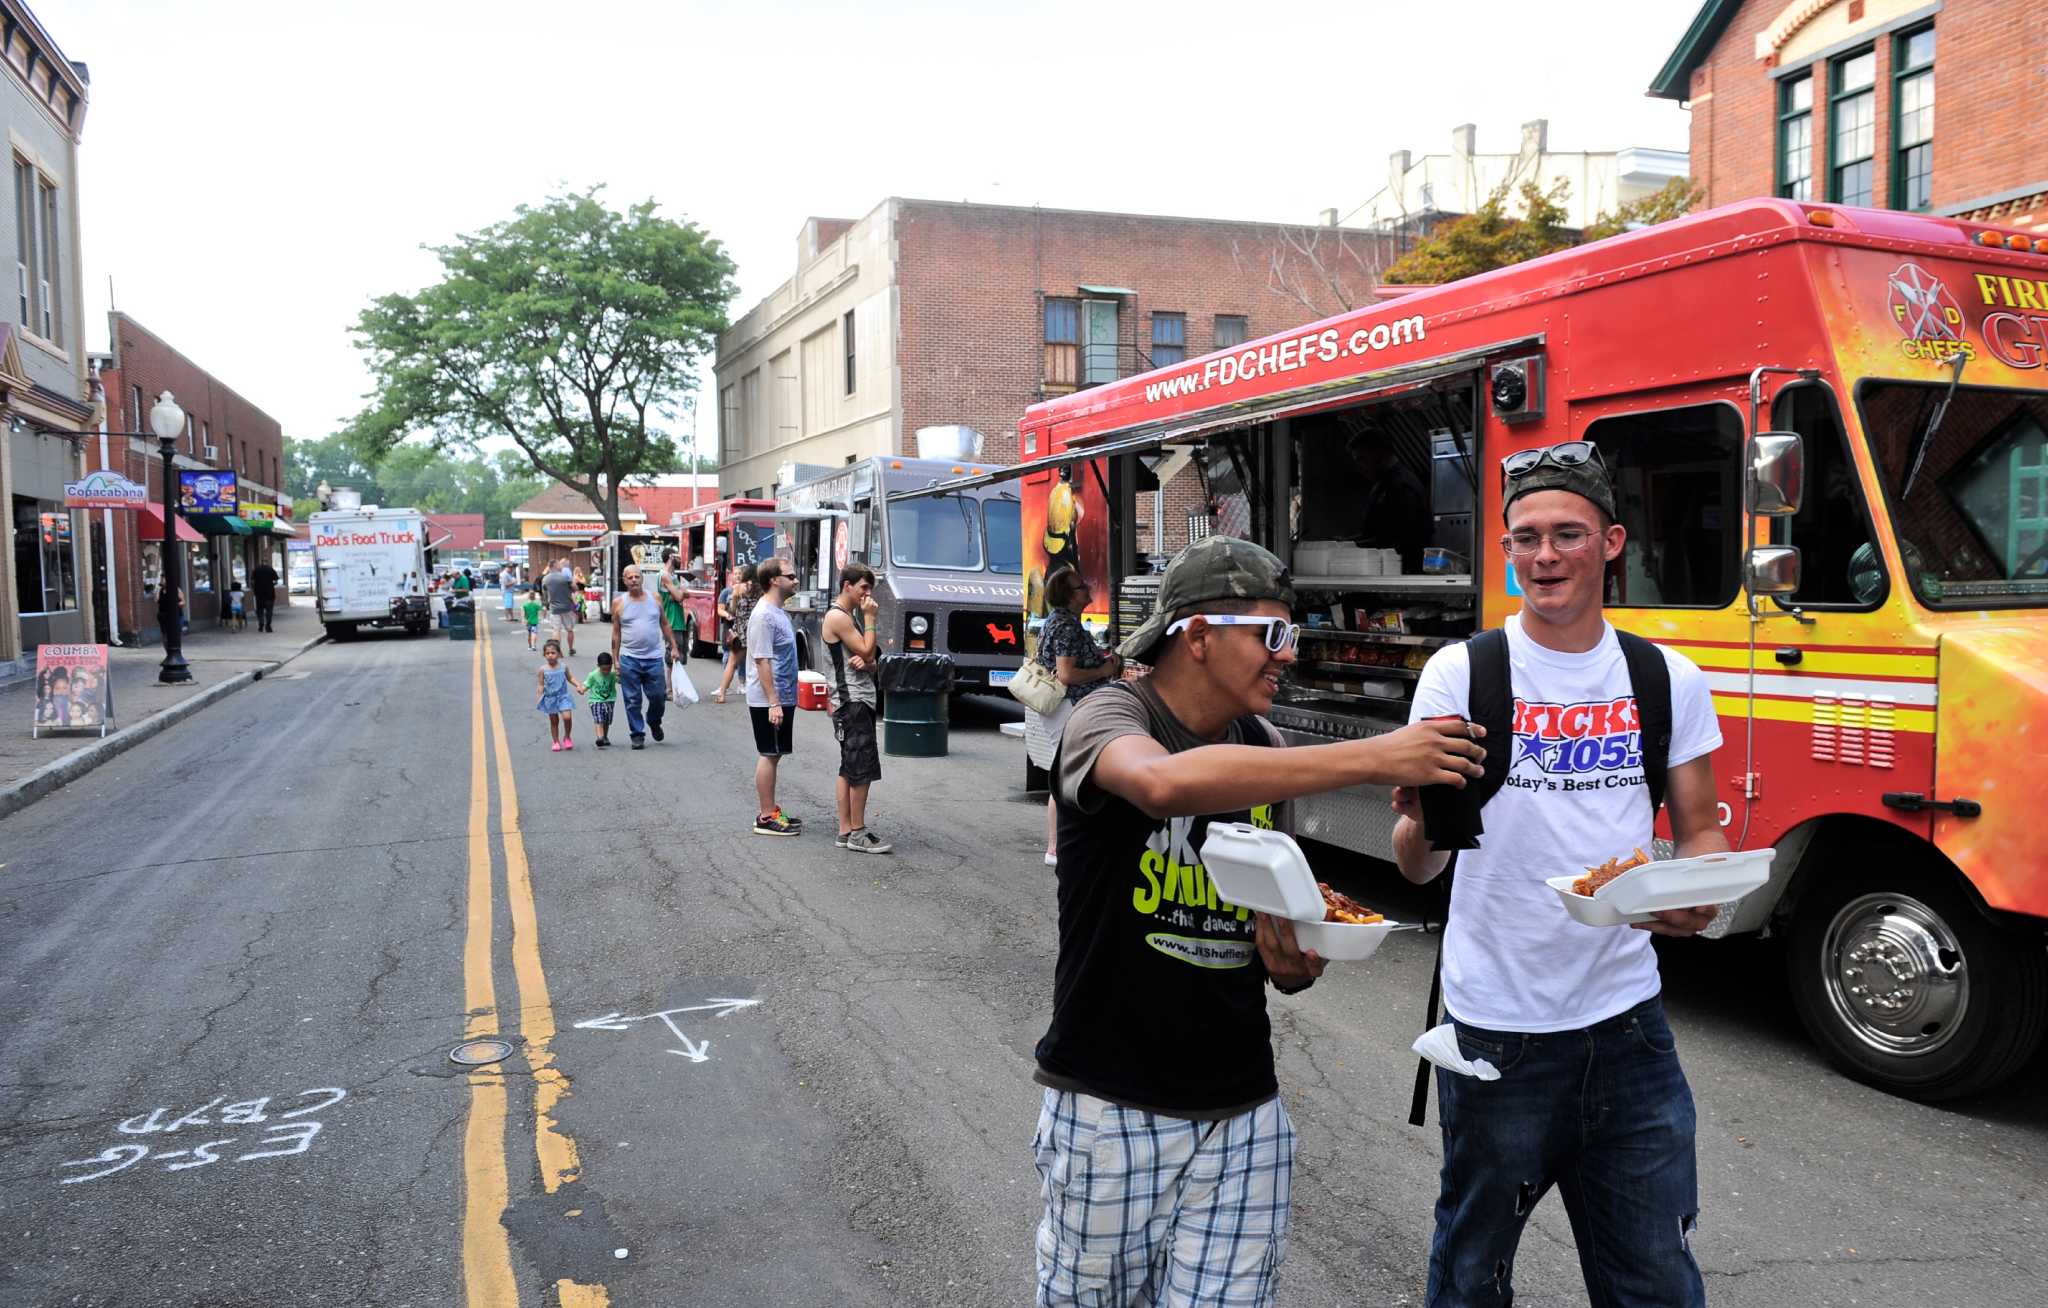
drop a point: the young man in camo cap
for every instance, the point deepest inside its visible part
(1159, 1039)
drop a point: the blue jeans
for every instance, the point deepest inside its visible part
(1602, 1113)
(639, 677)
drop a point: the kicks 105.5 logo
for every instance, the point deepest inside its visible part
(1926, 315)
(1586, 746)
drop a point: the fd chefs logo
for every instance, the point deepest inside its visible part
(1926, 315)
(1578, 746)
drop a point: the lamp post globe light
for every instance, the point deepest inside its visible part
(167, 420)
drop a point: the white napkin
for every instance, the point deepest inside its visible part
(1440, 1046)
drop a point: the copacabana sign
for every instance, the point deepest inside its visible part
(105, 490)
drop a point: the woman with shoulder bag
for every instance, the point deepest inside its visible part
(1072, 656)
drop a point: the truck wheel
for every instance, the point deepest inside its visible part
(1908, 987)
(689, 640)
(341, 631)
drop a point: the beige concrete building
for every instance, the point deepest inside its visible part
(808, 375)
(1418, 191)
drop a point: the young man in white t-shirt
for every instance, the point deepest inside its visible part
(1591, 1098)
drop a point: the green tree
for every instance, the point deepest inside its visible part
(1490, 238)
(1672, 200)
(331, 459)
(570, 328)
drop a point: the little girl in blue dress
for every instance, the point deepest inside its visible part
(555, 684)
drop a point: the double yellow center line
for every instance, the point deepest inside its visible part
(486, 1253)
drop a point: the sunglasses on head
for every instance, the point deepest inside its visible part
(1570, 454)
(1280, 634)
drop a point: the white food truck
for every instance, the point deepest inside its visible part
(371, 567)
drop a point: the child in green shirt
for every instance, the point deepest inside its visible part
(601, 689)
(531, 609)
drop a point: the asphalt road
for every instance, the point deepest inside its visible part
(233, 964)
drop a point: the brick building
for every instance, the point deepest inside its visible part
(1901, 104)
(455, 533)
(223, 431)
(926, 314)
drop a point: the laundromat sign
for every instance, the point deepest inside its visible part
(572, 530)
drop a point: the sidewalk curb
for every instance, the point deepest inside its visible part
(53, 775)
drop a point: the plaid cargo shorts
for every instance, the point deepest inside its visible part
(1146, 1209)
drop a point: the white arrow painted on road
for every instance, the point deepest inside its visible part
(694, 1050)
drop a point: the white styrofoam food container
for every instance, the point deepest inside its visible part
(1266, 870)
(1312, 557)
(1658, 887)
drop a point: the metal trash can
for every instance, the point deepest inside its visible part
(461, 619)
(917, 694)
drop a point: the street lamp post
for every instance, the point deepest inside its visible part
(167, 420)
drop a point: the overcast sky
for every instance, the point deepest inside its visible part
(254, 172)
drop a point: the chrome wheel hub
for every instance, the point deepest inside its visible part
(1894, 974)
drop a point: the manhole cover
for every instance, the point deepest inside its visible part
(477, 1053)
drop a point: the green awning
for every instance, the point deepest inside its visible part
(219, 524)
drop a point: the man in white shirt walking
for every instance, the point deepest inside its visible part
(1591, 1098)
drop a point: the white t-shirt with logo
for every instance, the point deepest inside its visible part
(1513, 959)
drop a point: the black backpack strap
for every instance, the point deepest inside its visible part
(1490, 702)
(1650, 679)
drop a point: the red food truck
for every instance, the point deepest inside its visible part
(1876, 639)
(711, 534)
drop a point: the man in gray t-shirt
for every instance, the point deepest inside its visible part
(560, 588)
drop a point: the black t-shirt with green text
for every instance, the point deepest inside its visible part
(1159, 995)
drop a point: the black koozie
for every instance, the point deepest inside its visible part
(1450, 817)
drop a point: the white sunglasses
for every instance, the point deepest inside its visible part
(1280, 633)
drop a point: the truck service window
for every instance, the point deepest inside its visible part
(1004, 516)
(1969, 498)
(938, 531)
(1677, 484)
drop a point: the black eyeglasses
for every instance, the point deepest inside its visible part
(1570, 454)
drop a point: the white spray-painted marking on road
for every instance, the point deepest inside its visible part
(697, 1051)
(287, 1137)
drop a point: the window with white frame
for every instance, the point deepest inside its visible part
(52, 311)
(25, 238)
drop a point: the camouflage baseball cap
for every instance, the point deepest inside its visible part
(1215, 567)
(1588, 480)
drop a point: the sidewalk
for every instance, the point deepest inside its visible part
(222, 662)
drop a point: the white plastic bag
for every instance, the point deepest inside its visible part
(681, 690)
(1439, 1045)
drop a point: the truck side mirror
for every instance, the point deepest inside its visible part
(1772, 570)
(1777, 473)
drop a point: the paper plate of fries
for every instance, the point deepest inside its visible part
(1266, 870)
(1633, 887)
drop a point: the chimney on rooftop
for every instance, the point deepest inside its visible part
(1536, 137)
(1464, 139)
